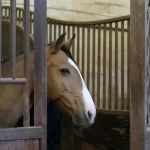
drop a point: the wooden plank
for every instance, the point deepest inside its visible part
(20, 145)
(93, 63)
(21, 133)
(12, 145)
(3, 145)
(137, 71)
(32, 144)
(147, 138)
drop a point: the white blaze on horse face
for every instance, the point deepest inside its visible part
(87, 99)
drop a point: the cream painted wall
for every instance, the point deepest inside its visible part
(83, 10)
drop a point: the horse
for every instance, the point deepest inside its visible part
(65, 87)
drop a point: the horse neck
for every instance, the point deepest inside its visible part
(19, 67)
(11, 105)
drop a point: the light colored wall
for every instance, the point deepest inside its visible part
(83, 10)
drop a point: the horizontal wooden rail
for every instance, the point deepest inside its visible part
(13, 81)
(21, 133)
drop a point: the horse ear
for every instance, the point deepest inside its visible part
(57, 44)
(69, 43)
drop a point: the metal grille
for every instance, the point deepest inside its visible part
(102, 51)
(28, 137)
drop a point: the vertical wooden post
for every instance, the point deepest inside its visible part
(138, 60)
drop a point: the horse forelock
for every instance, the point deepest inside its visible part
(66, 50)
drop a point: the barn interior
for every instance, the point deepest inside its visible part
(102, 50)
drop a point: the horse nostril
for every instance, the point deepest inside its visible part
(89, 114)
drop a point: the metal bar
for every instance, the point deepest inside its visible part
(54, 31)
(64, 28)
(59, 31)
(116, 66)
(40, 76)
(128, 65)
(37, 64)
(122, 65)
(13, 81)
(99, 67)
(111, 20)
(0, 37)
(44, 74)
(30, 22)
(104, 67)
(68, 32)
(88, 57)
(22, 19)
(19, 16)
(83, 52)
(93, 63)
(110, 67)
(8, 14)
(5, 14)
(21, 133)
(78, 45)
(26, 88)
(73, 46)
(50, 30)
(20, 144)
(13, 39)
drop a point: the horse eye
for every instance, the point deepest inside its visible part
(65, 71)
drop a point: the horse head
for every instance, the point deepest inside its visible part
(65, 84)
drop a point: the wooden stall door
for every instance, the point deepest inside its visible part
(28, 138)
